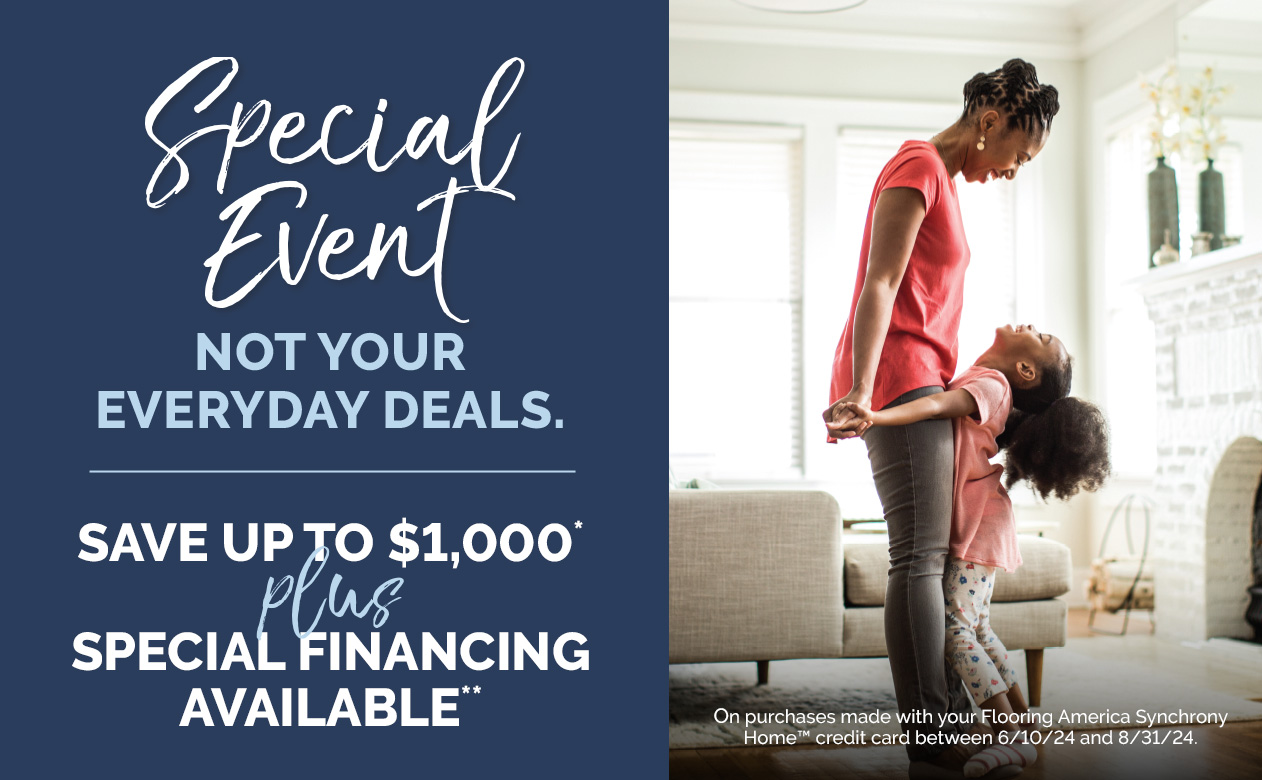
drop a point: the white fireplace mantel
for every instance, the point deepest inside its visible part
(1199, 269)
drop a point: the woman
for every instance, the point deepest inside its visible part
(900, 343)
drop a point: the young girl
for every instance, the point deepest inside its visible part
(1015, 397)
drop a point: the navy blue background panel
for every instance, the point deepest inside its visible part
(563, 287)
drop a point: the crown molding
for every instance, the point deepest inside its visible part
(1095, 26)
(831, 39)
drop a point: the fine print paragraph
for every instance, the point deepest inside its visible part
(1044, 727)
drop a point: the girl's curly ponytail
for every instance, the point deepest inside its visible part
(1057, 443)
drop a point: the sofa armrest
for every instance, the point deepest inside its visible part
(754, 575)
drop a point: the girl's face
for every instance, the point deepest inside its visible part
(1023, 351)
(1006, 149)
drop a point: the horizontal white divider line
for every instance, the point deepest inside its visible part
(332, 471)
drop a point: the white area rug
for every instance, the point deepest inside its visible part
(1072, 683)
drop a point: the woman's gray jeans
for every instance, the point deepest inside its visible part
(914, 468)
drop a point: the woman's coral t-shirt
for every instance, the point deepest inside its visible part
(922, 343)
(983, 529)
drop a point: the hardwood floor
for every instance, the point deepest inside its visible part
(1230, 752)
(1139, 624)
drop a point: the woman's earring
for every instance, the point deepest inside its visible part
(981, 144)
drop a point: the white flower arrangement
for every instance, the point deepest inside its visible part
(1165, 133)
(1204, 127)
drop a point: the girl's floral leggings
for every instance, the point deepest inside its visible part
(972, 648)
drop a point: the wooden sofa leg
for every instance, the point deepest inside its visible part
(763, 668)
(1034, 674)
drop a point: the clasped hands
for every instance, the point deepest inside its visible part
(849, 416)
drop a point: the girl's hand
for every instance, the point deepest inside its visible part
(850, 416)
(862, 419)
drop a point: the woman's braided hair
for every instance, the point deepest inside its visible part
(1015, 89)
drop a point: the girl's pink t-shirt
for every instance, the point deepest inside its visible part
(922, 342)
(983, 529)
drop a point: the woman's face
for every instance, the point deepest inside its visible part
(1006, 149)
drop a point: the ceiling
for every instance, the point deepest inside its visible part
(1067, 29)
(1230, 10)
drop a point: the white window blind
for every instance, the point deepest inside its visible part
(735, 300)
(989, 222)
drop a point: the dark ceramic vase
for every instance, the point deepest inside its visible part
(1163, 208)
(1212, 208)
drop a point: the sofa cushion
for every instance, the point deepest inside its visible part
(1045, 572)
(1020, 625)
(866, 561)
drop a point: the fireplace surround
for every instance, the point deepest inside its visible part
(1207, 317)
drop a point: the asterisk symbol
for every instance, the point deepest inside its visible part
(477, 689)
(465, 689)
(578, 523)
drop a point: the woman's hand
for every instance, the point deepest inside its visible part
(864, 415)
(850, 415)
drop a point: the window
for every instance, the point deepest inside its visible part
(735, 300)
(1130, 373)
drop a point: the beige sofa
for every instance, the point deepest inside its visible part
(761, 575)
